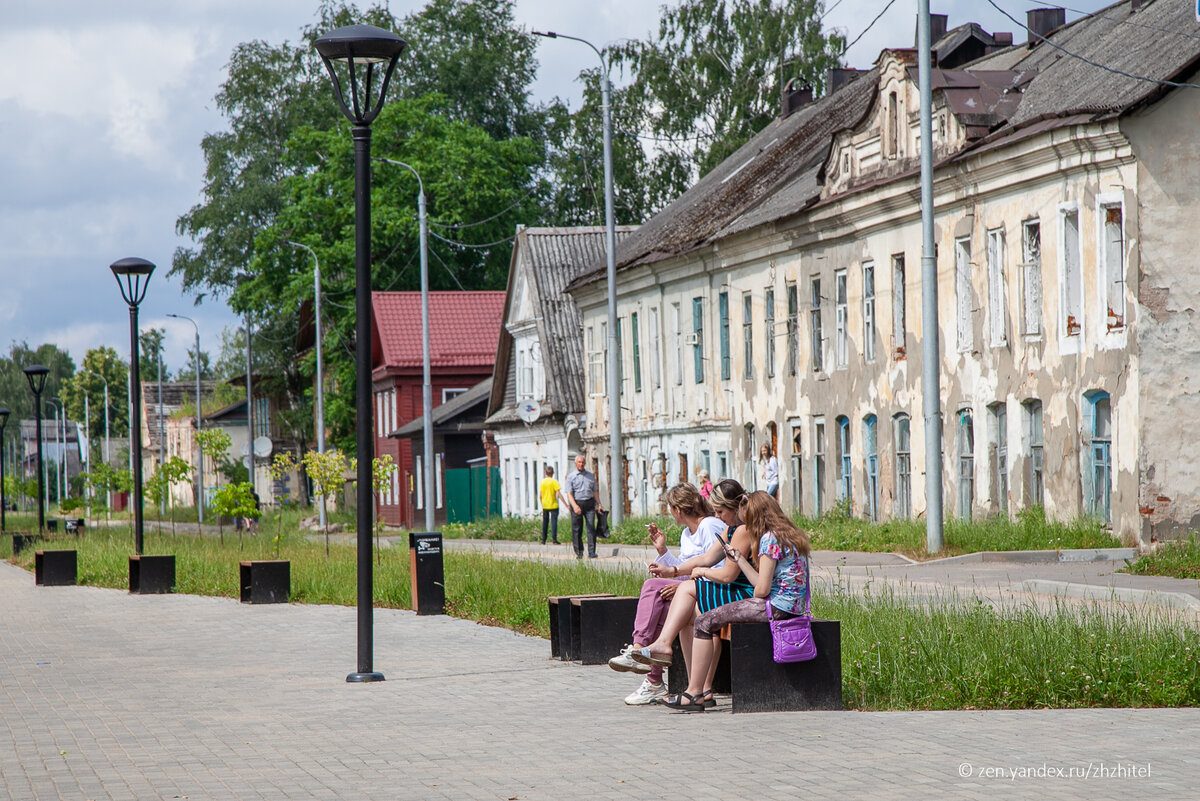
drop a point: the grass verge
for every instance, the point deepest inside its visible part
(1177, 559)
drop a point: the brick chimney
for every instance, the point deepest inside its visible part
(839, 77)
(937, 29)
(794, 98)
(1041, 21)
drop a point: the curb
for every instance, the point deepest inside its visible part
(1042, 557)
(1174, 600)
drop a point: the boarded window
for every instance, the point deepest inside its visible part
(816, 334)
(1071, 317)
(769, 334)
(793, 330)
(997, 324)
(899, 332)
(1031, 278)
(869, 312)
(723, 314)
(962, 294)
(1113, 269)
(841, 332)
(747, 336)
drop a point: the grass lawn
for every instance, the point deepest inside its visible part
(1177, 559)
(896, 654)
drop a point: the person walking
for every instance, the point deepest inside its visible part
(582, 492)
(549, 490)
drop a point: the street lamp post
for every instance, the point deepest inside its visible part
(361, 51)
(320, 360)
(4, 413)
(108, 495)
(36, 375)
(616, 454)
(200, 461)
(427, 382)
(60, 444)
(133, 277)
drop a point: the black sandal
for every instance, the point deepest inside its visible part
(707, 699)
(676, 702)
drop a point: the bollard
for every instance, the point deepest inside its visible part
(425, 567)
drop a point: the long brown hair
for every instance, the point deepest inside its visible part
(688, 500)
(761, 513)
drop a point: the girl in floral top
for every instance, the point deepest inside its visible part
(780, 578)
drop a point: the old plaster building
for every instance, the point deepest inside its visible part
(779, 299)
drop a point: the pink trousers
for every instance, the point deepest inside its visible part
(651, 614)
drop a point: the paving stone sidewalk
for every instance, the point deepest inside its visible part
(105, 695)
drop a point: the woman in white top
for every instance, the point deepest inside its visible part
(768, 471)
(701, 530)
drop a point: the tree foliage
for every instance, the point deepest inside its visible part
(14, 386)
(100, 366)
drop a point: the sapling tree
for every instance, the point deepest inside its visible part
(327, 471)
(283, 464)
(382, 470)
(174, 470)
(215, 443)
(235, 500)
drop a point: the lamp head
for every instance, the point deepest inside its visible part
(547, 34)
(133, 277)
(37, 375)
(361, 51)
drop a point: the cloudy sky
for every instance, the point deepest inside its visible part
(103, 106)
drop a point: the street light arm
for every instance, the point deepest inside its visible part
(409, 167)
(556, 35)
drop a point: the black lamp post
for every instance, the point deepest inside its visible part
(133, 276)
(4, 413)
(355, 55)
(37, 375)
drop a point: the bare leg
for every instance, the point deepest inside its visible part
(712, 667)
(704, 665)
(679, 617)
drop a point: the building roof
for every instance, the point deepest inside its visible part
(552, 258)
(174, 395)
(463, 328)
(1002, 94)
(453, 416)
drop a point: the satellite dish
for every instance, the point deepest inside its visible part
(246, 461)
(529, 410)
(262, 447)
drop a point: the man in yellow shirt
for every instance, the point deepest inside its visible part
(549, 490)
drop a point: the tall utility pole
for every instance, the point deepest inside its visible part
(162, 433)
(930, 333)
(320, 360)
(200, 460)
(249, 405)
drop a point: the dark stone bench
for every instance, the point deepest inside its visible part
(54, 568)
(748, 671)
(266, 582)
(600, 627)
(22, 540)
(151, 575)
(562, 625)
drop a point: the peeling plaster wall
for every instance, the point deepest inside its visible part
(1168, 153)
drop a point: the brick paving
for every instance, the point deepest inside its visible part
(105, 695)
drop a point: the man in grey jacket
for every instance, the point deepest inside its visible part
(583, 498)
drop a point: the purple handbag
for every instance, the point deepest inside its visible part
(791, 638)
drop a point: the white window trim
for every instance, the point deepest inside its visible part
(870, 313)
(997, 294)
(1026, 334)
(964, 324)
(1116, 338)
(1068, 344)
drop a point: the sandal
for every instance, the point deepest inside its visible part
(694, 704)
(707, 699)
(644, 656)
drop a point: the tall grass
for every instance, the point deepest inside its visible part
(1178, 559)
(898, 652)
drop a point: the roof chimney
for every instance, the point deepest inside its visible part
(937, 29)
(1041, 21)
(795, 98)
(839, 77)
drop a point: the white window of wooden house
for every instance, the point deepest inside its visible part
(1031, 278)
(1099, 490)
(437, 479)
(769, 303)
(797, 470)
(902, 427)
(817, 336)
(747, 336)
(723, 333)
(1112, 266)
(379, 419)
(676, 322)
(962, 294)
(998, 455)
(419, 475)
(637, 352)
(869, 312)
(793, 330)
(899, 332)
(997, 306)
(841, 331)
(1070, 274)
(595, 364)
(655, 350)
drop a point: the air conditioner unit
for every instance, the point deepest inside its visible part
(691, 339)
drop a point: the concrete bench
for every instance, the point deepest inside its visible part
(600, 627)
(54, 568)
(748, 671)
(562, 625)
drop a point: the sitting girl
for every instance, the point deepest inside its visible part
(780, 578)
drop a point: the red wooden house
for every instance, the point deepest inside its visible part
(464, 330)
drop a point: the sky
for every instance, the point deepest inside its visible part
(100, 143)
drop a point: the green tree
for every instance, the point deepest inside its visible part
(382, 470)
(282, 465)
(99, 365)
(327, 471)
(236, 501)
(150, 348)
(101, 481)
(173, 471)
(188, 371)
(14, 386)
(215, 443)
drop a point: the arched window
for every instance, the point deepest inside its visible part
(1098, 495)
(871, 462)
(843, 426)
(901, 425)
(966, 463)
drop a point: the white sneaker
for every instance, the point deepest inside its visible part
(647, 694)
(624, 662)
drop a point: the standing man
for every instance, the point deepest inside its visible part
(549, 491)
(582, 494)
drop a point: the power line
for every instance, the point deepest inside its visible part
(473, 247)
(869, 27)
(497, 215)
(1088, 61)
(1119, 21)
